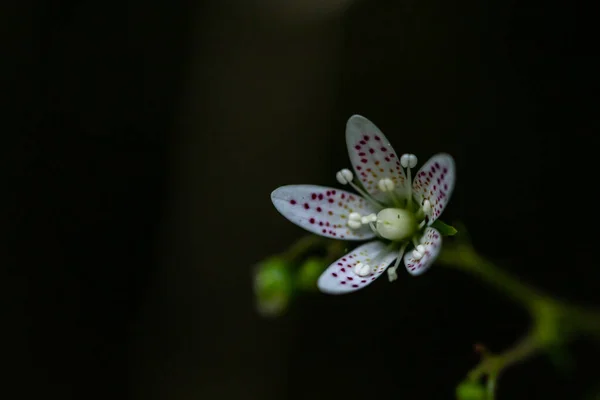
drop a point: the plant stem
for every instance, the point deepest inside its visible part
(550, 316)
(463, 258)
(555, 322)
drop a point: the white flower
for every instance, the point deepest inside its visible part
(392, 208)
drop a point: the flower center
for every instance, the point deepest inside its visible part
(396, 219)
(396, 224)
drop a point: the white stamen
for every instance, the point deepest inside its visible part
(417, 255)
(354, 216)
(354, 220)
(363, 270)
(421, 249)
(344, 176)
(354, 224)
(408, 161)
(373, 228)
(392, 275)
(386, 185)
(368, 219)
(404, 160)
(412, 161)
(426, 206)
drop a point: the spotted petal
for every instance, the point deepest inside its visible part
(432, 241)
(322, 210)
(340, 278)
(372, 156)
(435, 182)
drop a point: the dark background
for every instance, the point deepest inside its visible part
(142, 140)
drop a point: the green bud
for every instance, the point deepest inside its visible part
(309, 272)
(272, 287)
(470, 391)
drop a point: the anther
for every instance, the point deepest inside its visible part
(344, 176)
(418, 252)
(386, 185)
(354, 220)
(392, 275)
(426, 206)
(354, 216)
(404, 160)
(361, 269)
(354, 224)
(412, 161)
(408, 160)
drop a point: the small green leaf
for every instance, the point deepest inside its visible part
(445, 229)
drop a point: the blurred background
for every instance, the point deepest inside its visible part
(141, 143)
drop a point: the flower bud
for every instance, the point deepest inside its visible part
(309, 273)
(470, 391)
(272, 287)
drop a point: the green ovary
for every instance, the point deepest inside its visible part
(396, 224)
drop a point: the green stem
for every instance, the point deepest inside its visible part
(492, 365)
(491, 387)
(554, 322)
(463, 258)
(550, 316)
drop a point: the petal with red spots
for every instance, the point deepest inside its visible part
(340, 278)
(372, 156)
(322, 210)
(432, 241)
(435, 182)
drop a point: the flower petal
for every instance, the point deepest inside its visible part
(435, 182)
(340, 278)
(322, 210)
(372, 156)
(432, 241)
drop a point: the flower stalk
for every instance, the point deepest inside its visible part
(555, 322)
